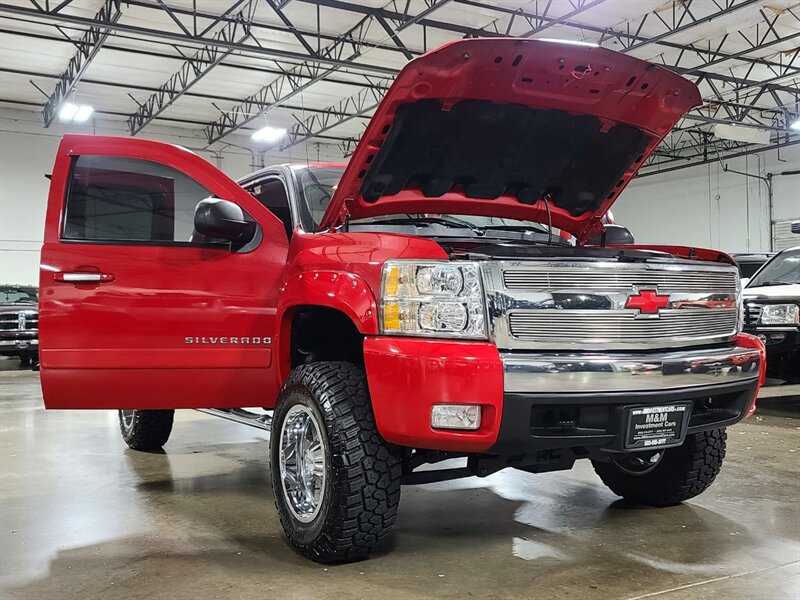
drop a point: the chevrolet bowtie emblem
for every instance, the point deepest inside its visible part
(648, 302)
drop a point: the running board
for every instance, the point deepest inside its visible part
(240, 415)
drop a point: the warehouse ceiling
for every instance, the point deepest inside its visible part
(318, 68)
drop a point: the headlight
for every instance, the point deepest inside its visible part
(780, 314)
(432, 298)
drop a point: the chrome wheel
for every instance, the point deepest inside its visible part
(126, 416)
(639, 463)
(302, 463)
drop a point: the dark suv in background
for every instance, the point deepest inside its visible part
(19, 323)
(750, 262)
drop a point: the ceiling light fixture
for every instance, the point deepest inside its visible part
(67, 112)
(739, 133)
(795, 125)
(78, 113)
(571, 42)
(84, 112)
(268, 134)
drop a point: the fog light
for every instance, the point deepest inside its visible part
(456, 416)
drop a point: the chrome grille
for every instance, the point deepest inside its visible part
(575, 304)
(608, 280)
(752, 312)
(10, 321)
(607, 326)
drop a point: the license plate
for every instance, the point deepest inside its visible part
(656, 426)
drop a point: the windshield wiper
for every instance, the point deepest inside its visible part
(456, 223)
(449, 222)
(769, 283)
(514, 228)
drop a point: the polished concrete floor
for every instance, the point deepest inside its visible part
(84, 518)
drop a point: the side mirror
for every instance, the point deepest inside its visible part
(222, 219)
(795, 226)
(614, 235)
(744, 281)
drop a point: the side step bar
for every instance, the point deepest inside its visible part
(239, 415)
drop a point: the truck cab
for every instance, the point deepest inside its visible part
(415, 305)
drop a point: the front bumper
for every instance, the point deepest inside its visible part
(18, 343)
(777, 339)
(532, 401)
(783, 349)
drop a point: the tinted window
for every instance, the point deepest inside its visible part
(748, 269)
(272, 194)
(118, 199)
(317, 186)
(13, 295)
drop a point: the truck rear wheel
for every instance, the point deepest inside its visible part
(146, 429)
(670, 476)
(336, 482)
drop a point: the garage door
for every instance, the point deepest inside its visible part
(782, 236)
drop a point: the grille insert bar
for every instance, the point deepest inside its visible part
(609, 280)
(580, 304)
(752, 312)
(620, 326)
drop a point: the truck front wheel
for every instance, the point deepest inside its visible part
(336, 482)
(146, 429)
(667, 477)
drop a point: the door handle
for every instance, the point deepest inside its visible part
(83, 277)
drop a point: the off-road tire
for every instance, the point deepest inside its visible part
(362, 487)
(148, 429)
(683, 472)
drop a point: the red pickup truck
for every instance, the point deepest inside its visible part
(450, 293)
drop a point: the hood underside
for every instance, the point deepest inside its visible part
(511, 128)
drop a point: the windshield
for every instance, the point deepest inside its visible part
(468, 222)
(784, 269)
(317, 185)
(17, 295)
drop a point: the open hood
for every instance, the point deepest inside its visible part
(509, 128)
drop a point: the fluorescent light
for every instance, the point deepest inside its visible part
(736, 133)
(67, 112)
(79, 113)
(268, 134)
(795, 125)
(84, 112)
(572, 42)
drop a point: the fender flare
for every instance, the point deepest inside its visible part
(337, 290)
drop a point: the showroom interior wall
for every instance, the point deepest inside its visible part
(708, 207)
(702, 206)
(27, 152)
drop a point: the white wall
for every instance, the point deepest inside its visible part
(707, 207)
(27, 152)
